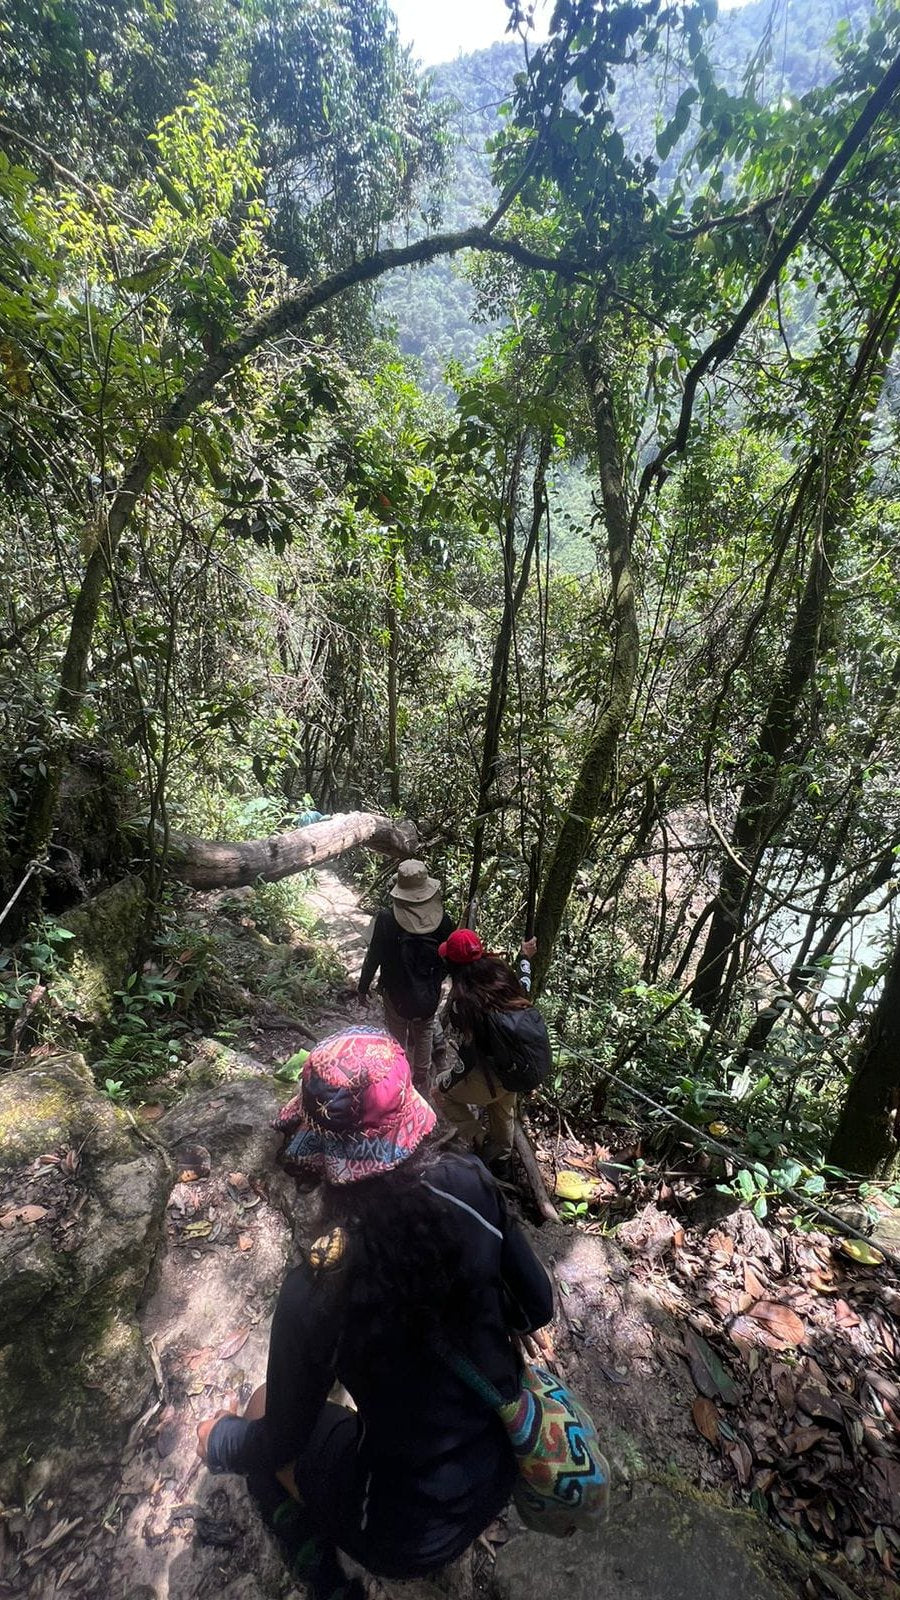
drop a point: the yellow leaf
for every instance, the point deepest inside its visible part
(858, 1250)
(574, 1186)
(718, 1129)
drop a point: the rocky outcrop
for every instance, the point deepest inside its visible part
(82, 1197)
(138, 1272)
(659, 1544)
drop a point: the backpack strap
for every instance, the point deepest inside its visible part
(467, 1372)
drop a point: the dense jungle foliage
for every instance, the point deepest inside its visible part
(611, 608)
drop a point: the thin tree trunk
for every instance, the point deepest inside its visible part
(393, 687)
(753, 824)
(779, 726)
(513, 596)
(865, 1139)
(594, 780)
(806, 973)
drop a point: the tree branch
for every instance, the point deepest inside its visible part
(722, 347)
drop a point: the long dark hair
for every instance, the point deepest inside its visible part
(403, 1255)
(488, 984)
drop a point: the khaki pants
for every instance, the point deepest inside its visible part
(496, 1128)
(415, 1035)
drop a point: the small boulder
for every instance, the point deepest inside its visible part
(233, 1118)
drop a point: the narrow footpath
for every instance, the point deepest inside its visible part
(154, 1525)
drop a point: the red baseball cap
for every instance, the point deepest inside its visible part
(462, 947)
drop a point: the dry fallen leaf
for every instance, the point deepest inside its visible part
(706, 1418)
(844, 1315)
(781, 1327)
(231, 1346)
(752, 1285)
(8, 1219)
(816, 1403)
(245, 1241)
(803, 1439)
(721, 1244)
(150, 1113)
(882, 1384)
(742, 1461)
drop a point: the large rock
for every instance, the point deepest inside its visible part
(196, 1343)
(625, 1353)
(658, 1545)
(82, 1196)
(100, 957)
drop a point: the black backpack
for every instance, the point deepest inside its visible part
(520, 1048)
(420, 970)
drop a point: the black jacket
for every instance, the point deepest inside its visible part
(434, 1462)
(384, 952)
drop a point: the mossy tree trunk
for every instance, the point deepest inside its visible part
(216, 864)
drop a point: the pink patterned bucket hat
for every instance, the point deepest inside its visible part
(357, 1113)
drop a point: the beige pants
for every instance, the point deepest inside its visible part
(415, 1035)
(496, 1128)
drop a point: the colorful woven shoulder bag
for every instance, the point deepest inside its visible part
(563, 1482)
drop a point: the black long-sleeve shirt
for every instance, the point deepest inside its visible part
(432, 1459)
(384, 952)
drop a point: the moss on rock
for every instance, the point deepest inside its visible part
(101, 956)
(72, 1365)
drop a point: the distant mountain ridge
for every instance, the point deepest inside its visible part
(433, 307)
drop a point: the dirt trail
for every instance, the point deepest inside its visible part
(342, 921)
(155, 1526)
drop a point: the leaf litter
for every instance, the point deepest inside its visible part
(798, 1339)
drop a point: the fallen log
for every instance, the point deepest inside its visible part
(217, 864)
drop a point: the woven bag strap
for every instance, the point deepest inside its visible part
(467, 1372)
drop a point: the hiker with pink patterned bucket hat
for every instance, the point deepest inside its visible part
(416, 1253)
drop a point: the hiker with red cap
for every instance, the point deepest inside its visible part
(418, 1266)
(404, 946)
(502, 1045)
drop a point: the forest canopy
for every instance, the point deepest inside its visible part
(581, 553)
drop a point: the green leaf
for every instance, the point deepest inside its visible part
(290, 1070)
(745, 1183)
(707, 1370)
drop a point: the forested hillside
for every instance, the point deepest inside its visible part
(603, 622)
(435, 308)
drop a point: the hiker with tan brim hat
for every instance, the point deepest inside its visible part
(404, 946)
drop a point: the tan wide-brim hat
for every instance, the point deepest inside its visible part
(422, 918)
(413, 883)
